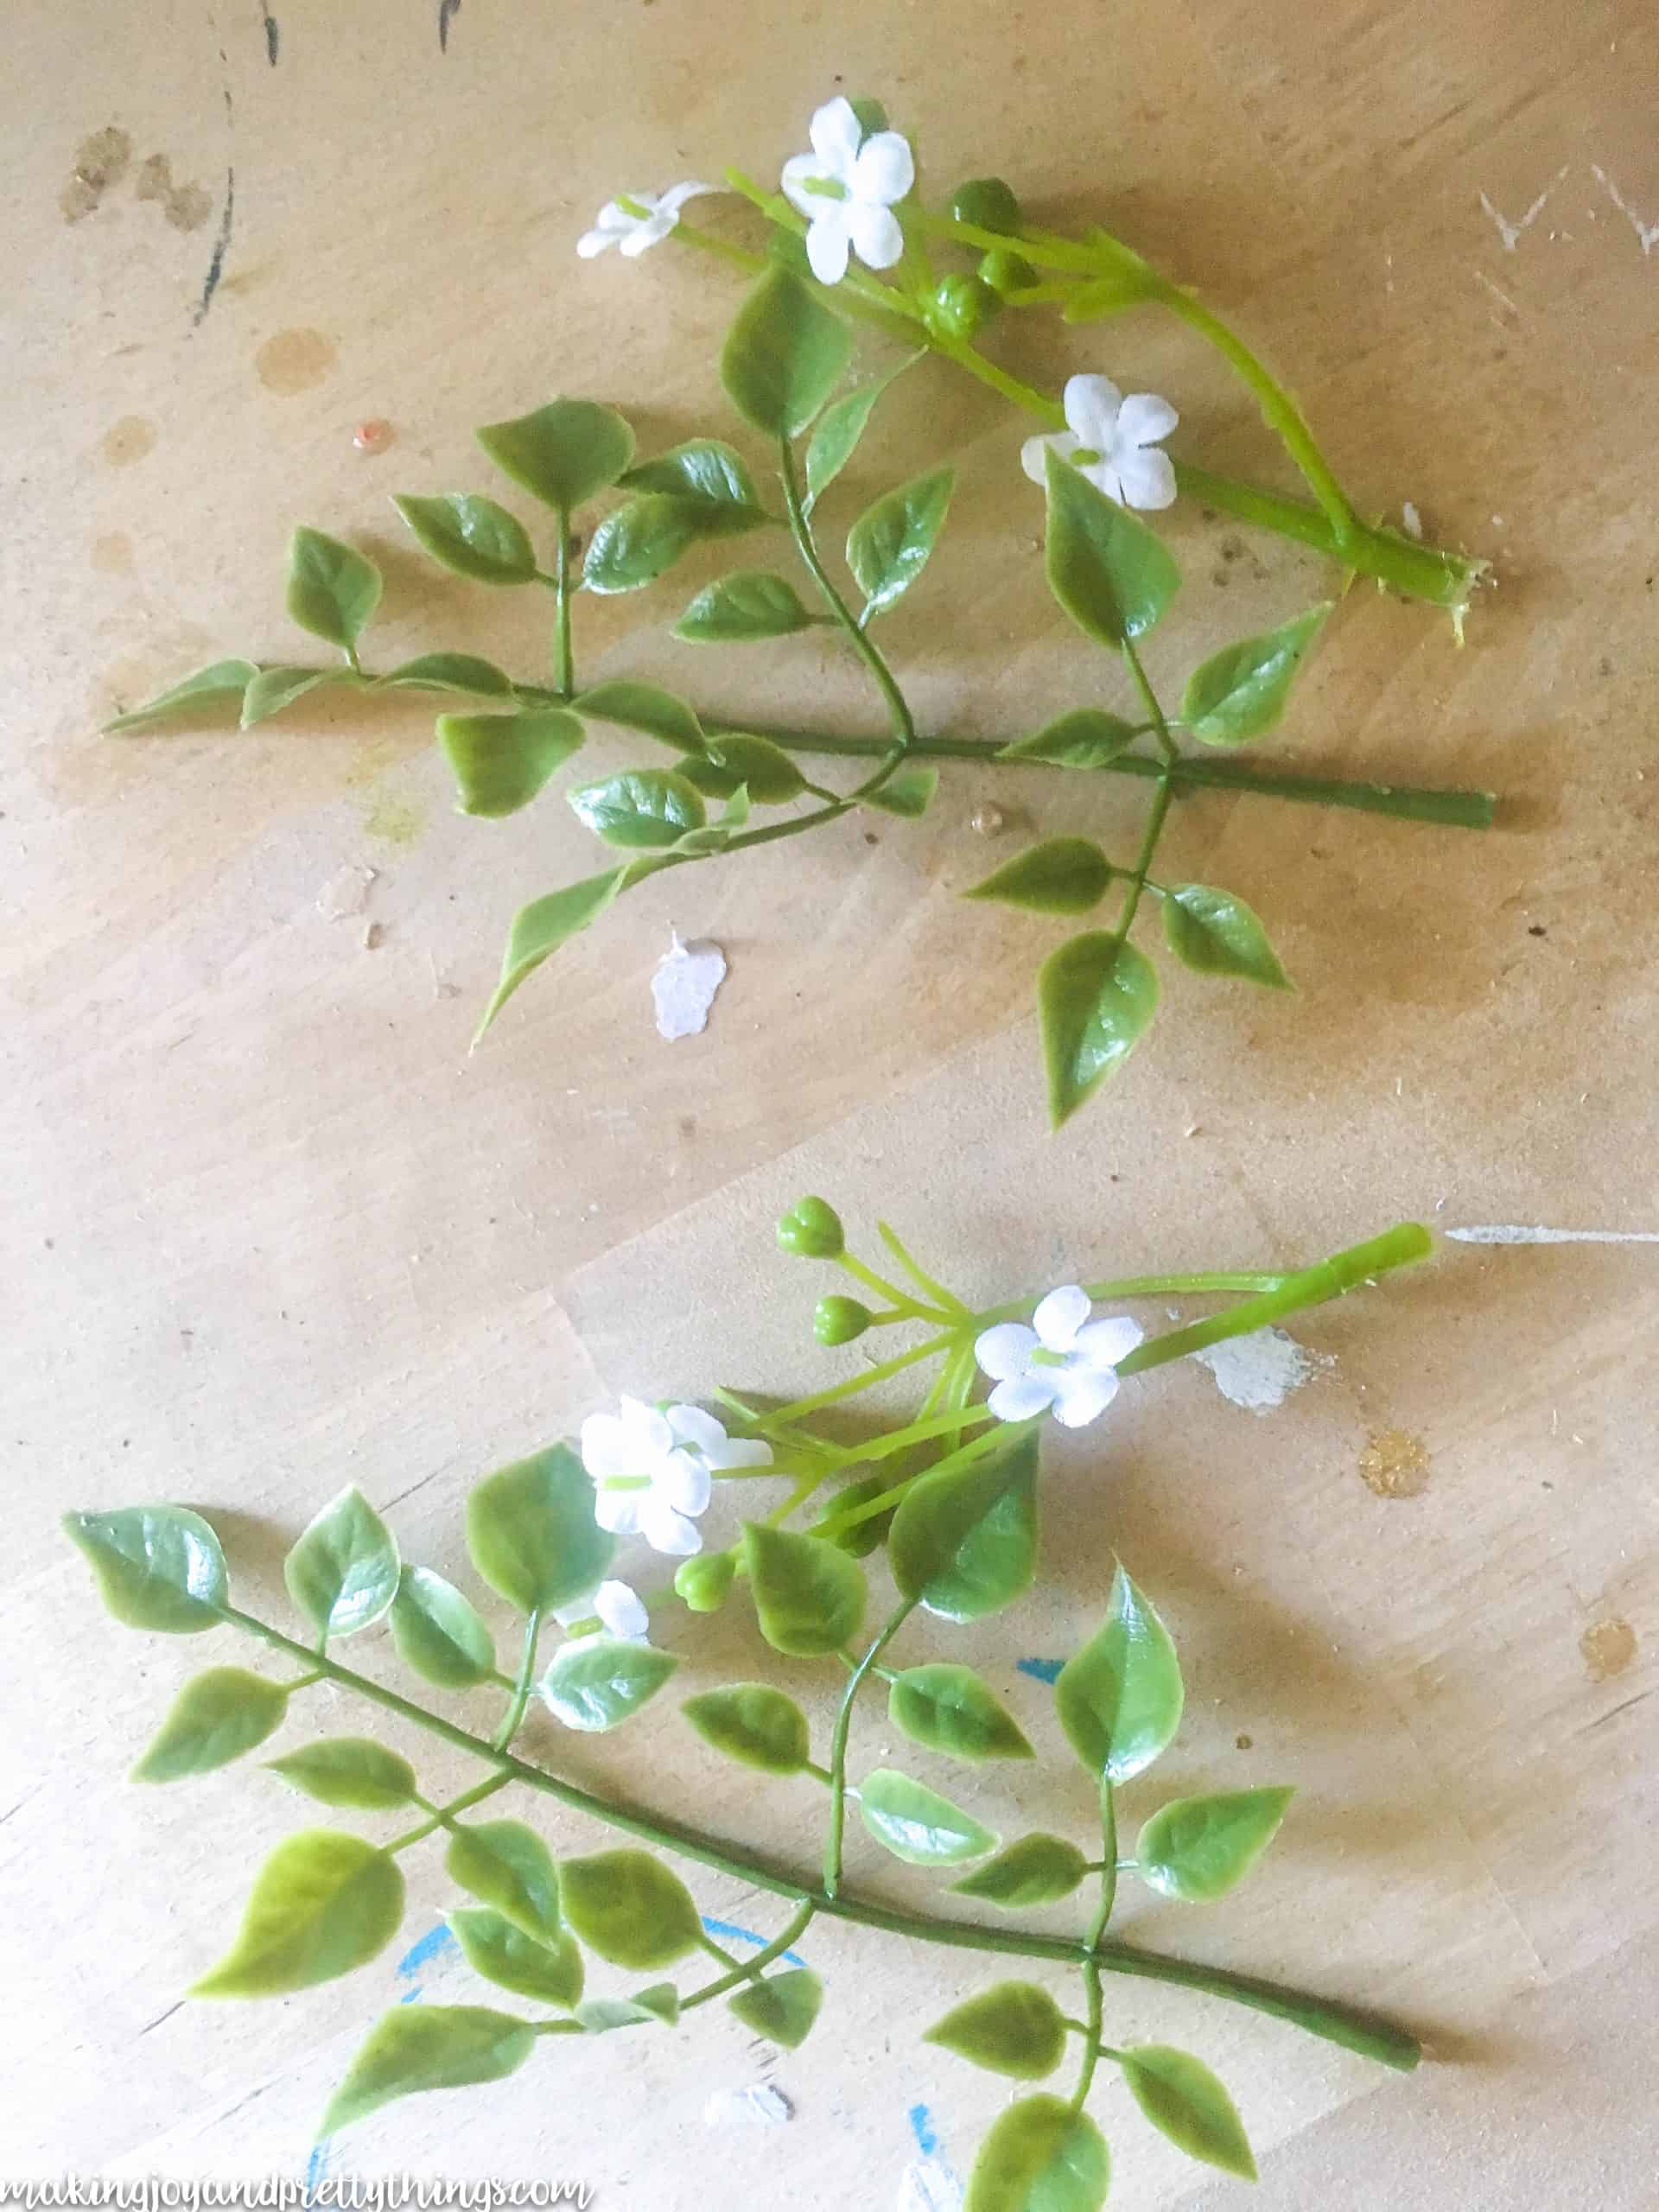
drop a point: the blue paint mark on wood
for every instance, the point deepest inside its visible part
(921, 2127)
(221, 247)
(432, 1945)
(448, 10)
(317, 2165)
(273, 37)
(1044, 1670)
(728, 1931)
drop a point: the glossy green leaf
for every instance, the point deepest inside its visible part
(712, 476)
(629, 1908)
(1120, 1697)
(834, 441)
(783, 2007)
(1095, 999)
(273, 688)
(332, 589)
(1108, 570)
(349, 1771)
(717, 835)
(531, 1532)
(644, 707)
(749, 603)
(471, 536)
(595, 1681)
(1219, 935)
(641, 809)
(1062, 875)
(946, 1707)
(889, 546)
(157, 1567)
(917, 1825)
(762, 768)
(1197, 1848)
(323, 1902)
(808, 1596)
(660, 2004)
(539, 929)
(211, 688)
(438, 1633)
(754, 1723)
(1085, 738)
(963, 1542)
(506, 1865)
(640, 541)
(867, 1536)
(1184, 2101)
(500, 762)
(1241, 691)
(1040, 2157)
(215, 1717)
(342, 1574)
(1037, 1870)
(417, 2047)
(1013, 2027)
(562, 453)
(462, 672)
(784, 355)
(551, 1973)
(908, 793)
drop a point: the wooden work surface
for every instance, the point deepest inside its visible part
(270, 1230)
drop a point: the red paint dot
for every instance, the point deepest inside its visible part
(372, 437)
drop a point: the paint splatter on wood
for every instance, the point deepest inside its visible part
(1395, 1463)
(187, 207)
(100, 161)
(294, 360)
(373, 437)
(1608, 1647)
(273, 36)
(128, 441)
(448, 10)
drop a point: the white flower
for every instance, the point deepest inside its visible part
(652, 1471)
(619, 1611)
(848, 190)
(1064, 1360)
(1111, 441)
(638, 220)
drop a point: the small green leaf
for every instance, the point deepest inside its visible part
(342, 1574)
(471, 536)
(660, 2004)
(550, 1972)
(595, 1681)
(1120, 1697)
(212, 687)
(1013, 2027)
(506, 1865)
(349, 1771)
(215, 1718)
(644, 707)
(946, 1707)
(762, 768)
(500, 761)
(273, 688)
(1219, 935)
(627, 1906)
(531, 1532)
(323, 1902)
(783, 2007)
(1184, 2101)
(1096, 998)
(908, 793)
(748, 603)
(1085, 738)
(964, 1540)
(1109, 571)
(1241, 691)
(867, 1536)
(1197, 1848)
(638, 541)
(641, 809)
(784, 356)
(563, 453)
(718, 834)
(539, 929)
(889, 546)
(157, 1567)
(708, 474)
(832, 443)
(1040, 2157)
(332, 590)
(917, 1825)
(808, 1596)
(1062, 875)
(438, 1632)
(1037, 1870)
(754, 1723)
(462, 672)
(417, 2047)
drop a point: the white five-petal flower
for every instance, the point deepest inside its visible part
(638, 220)
(652, 1471)
(846, 188)
(1064, 1360)
(619, 1610)
(1112, 441)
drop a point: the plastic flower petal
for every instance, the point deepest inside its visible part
(846, 188)
(1112, 441)
(638, 220)
(619, 1610)
(1004, 1351)
(665, 1528)
(1022, 1396)
(653, 1472)
(1064, 1360)
(705, 1436)
(1060, 1315)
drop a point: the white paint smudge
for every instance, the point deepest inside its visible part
(345, 893)
(684, 986)
(1412, 519)
(1259, 1371)
(929, 2185)
(1647, 232)
(1510, 232)
(1512, 1233)
(756, 2104)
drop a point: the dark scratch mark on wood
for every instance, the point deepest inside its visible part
(160, 2017)
(448, 10)
(1612, 1714)
(221, 247)
(273, 36)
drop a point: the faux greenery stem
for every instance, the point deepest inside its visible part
(515, 1712)
(443, 1815)
(1093, 1939)
(835, 1829)
(1154, 829)
(751, 1969)
(904, 729)
(563, 666)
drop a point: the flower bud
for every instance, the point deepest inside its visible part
(989, 204)
(702, 1582)
(838, 1321)
(1006, 271)
(958, 306)
(811, 1231)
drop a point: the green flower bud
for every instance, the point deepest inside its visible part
(872, 116)
(704, 1581)
(1006, 271)
(863, 1537)
(838, 1321)
(811, 1231)
(989, 204)
(958, 306)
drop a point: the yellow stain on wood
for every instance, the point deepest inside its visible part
(1608, 1647)
(294, 360)
(1395, 1463)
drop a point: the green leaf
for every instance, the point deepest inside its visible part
(1096, 998)
(917, 1825)
(808, 1596)
(638, 541)
(215, 1718)
(1184, 2101)
(595, 1681)
(323, 1902)
(754, 1723)
(1062, 875)
(627, 1906)
(870, 1534)
(755, 764)
(342, 1574)
(463, 672)
(506, 1865)
(500, 761)
(349, 1771)
(832, 443)
(908, 793)
(1040, 2157)
(889, 546)
(539, 929)
(748, 603)
(1110, 572)
(157, 1567)
(563, 453)
(946, 1707)
(273, 688)
(708, 474)
(1037, 1870)
(1013, 2027)
(550, 1972)
(471, 536)
(438, 1633)
(719, 834)
(784, 356)
(1241, 691)
(964, 1540)
(1120, 1697)
(1197, 1848)
(214, 686)
(531, 1532)
(660, 2003)
(644, 707)
(783, 2007)
(1219, 935)
(641, 809)
(1084, 738)
(428, 2047)
(332, 590)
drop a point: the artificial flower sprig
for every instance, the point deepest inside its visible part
(959, 1537)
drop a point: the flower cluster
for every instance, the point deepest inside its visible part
(653, 1471)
